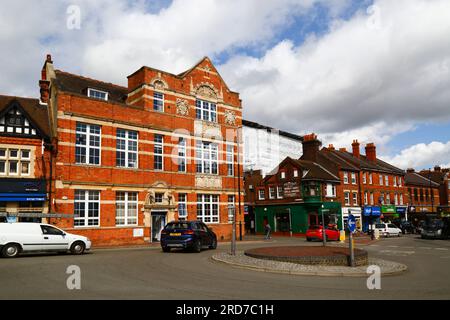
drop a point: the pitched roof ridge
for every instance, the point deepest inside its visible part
(91, 79)
(319, 165)
(333, 153)
(424, 178)
(17, 97)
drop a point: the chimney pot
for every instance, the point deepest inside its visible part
(437, 168)
(331, 147)
(355, 149)
(371, 152)
(311, 147)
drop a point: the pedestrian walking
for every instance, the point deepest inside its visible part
(267, 229)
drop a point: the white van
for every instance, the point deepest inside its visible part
(388, 229)
(37, 237)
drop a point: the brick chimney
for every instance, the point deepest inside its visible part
(343, 149)
(355, 149)
(331, 147)
(371, 152)
(311, 147)
(44, 83)
(437, 169)
(410, 170)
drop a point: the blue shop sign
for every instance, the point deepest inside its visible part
(376, 211)
(367, 211)
(401, 210)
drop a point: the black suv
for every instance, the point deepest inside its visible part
(193, 235)
(407, 227)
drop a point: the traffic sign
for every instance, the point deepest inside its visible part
(351, 223)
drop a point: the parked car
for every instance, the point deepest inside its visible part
(419, 227)
(436, 229)
(316, 233)
(193, 235)
(16, 238)
(407, 227)
(388, 229)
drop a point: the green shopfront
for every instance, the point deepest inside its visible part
(389, 213)
(295, 218)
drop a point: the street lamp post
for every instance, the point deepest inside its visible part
(324, 233)
(232, 217)
(431, 192)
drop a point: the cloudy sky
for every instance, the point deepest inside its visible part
(373, 70)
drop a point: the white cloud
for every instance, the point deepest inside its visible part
(368, 78)
(422, 156)
(118, 37)
(392, 67)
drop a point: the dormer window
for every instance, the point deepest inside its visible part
(97, 94)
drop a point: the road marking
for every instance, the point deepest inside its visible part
(392, 246)
(442, 249)
(426, 248)
(397, 253)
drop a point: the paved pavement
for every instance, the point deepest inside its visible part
(147, 273)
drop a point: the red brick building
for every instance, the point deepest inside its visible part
(440, 176)
(348, 191)
(423, 193)
(25, 157)
(294, 196)
(130, 159)
(377, 187)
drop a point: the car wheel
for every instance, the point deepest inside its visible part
(11, 250)
(197, 246)
(213, 246)
(77, 248)
(308, 239)
(399, 234)
(165, 249)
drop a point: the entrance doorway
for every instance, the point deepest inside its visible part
(313, 219)
(283, 222)
(158, 224)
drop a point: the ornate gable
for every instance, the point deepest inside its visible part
(15, 121)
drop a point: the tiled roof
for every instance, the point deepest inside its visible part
(79, 85)
(415, 179)
(333, 162)
(35, 111)
(316, 171)
(363, 163)
(435, 176)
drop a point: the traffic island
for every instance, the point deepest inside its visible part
(323, 256)
(240, 260)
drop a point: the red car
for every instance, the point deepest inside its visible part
(316, 233)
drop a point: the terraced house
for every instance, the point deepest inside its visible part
(376, 187)
(129, 159)
(25, 156)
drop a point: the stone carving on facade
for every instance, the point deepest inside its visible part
(230, 117)
(182, 107)
(208, 130)
(206, 90)
(207, 181)
(159, 84)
